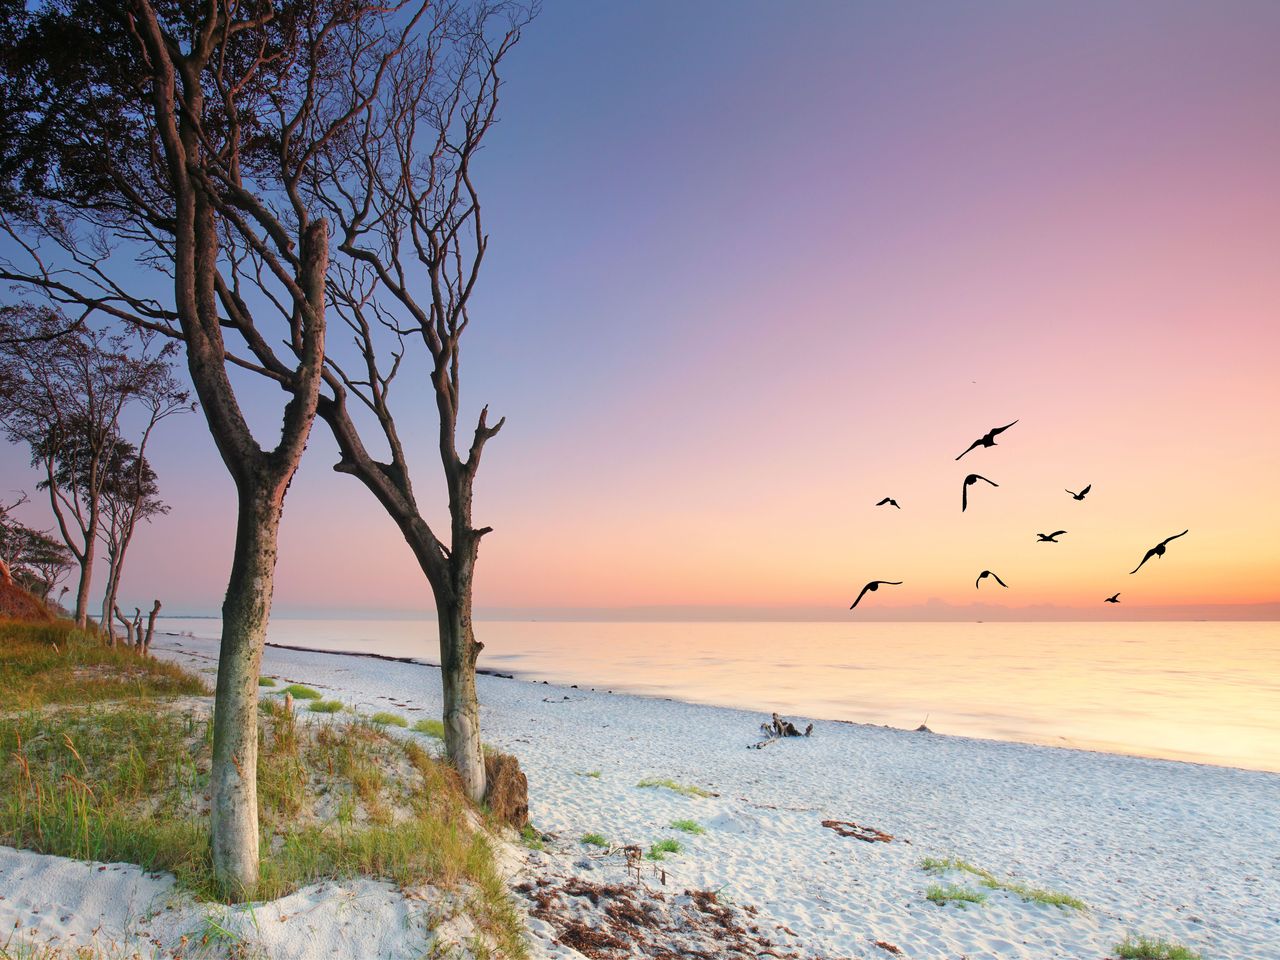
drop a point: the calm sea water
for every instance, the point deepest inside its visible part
(1204, 692)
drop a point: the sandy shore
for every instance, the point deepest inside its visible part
(1187, 852)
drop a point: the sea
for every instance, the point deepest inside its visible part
(1201, 692)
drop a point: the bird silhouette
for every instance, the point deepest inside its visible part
(969, 481)
(987, 573)
(1049, 537)
(989, 438)
(1158, 550)
(1114, 598)
(889, 500)
(1081, 494)
(872, 587)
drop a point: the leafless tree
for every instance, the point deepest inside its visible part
(183, 136)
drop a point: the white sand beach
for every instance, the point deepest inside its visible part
(1175, 850)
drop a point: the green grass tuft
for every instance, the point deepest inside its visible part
(941, 893)
(432, 728)
(384, 719)
(593, 774)
(299, 692)
(594, 840)
(266, 681)
(688, 826)
(989, 880)
(660, 849)
(325, 706)
(681, 788)
(531, 838)
(1134, 947)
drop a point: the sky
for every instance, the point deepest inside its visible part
(754, 266)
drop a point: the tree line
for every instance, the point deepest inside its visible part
(243, 179)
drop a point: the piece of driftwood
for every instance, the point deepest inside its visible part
(778, 728)
(847, 828)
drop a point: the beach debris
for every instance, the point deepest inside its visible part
(888, 947)
(564, 699)
(778, 728)
(847, 828)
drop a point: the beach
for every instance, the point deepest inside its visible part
(1182, 851)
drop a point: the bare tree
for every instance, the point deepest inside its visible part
(63, 397)
(189, 133)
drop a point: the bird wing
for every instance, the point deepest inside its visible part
(999, 581)
(883, 502)
(1071, 492)
(979, 580)
(992, 482)
(996, 431)
(1174, 537)
(862, 594)
(1057, 533)
(976, 443)
(896, 504)
(1086, 489)
(1150, 553)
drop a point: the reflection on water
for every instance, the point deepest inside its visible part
(1208, 692)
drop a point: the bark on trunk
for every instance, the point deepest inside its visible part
(234, 786)
(82, 593)
(151, 628)
(458, 653)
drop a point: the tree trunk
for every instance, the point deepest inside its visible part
(245, 611)
(82, 591)
(458, 653)
(109, 596)
(151, 628)
(128, 628)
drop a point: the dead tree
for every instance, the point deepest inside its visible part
(188, 135)
(129, 627)
(151, 628)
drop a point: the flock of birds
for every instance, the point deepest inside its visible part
(988, 439)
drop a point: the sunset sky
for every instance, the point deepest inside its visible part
(755, 266)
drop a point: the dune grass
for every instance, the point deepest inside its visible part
(325, 706)
(1135, 947)
(127, 779)
(385, 719)
(594, 840)
(942, 893)
(688, 826)
(56, 663)
(1052, 898)
(659, 850)
(432, 728)
(593, 774)
(531, 838)
(300, 692)
(266, 681)
(669, 784)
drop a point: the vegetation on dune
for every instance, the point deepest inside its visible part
(266, 681)
(119, 774)
(325, 706)
(300, 692)
(989, 880)
(593, 774)
(385, 719)
(594, 840)
(1134, 947)
(942, 893)
(688, 826)
(659, 850)
(432, 728)
(669, 784)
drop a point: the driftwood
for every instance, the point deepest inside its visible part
(847, 828)
(777, 729)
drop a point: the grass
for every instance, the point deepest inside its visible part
(531, 838)
(659, 850)
(951, 893)
(681, 788)
(1134, 947)
(593, 774)
(125, 779)
(432, 728)
(594, 840)
(384, 719)
(266, 681)
(688, 826)
(325, 706)
(55, 663)
(989, 880)
(299, 692)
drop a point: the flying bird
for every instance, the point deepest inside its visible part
(1081, 494)
(1158, 550)
(1049, 537)
(1114, 598)
(987, 573)
(889, 500)
(969, 481)
(989, 438)
(872, 587)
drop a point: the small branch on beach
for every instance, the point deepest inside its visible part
(847, 828)
(777, 729)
